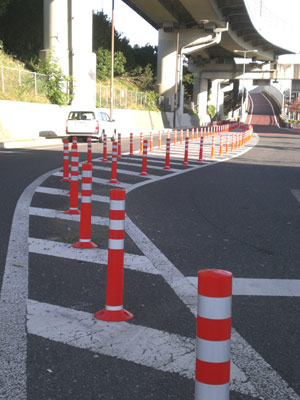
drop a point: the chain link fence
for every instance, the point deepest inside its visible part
(17, 83)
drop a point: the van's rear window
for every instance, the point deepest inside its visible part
(81, 115)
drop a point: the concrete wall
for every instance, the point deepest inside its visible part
(24, 121)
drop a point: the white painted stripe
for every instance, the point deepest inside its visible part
(122, 171)
(95, 256)
(214, 308)
(60, 192)
(48, 213)
(276, 121)
(123, 340)
(213, 351)
(117, 225)
(296, 193)
(149, 166)
(86, 186)
(116, 244)
(262, 287)
(204, 391)
(114, 308)
(117, 205)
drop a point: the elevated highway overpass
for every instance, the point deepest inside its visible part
(206, 31)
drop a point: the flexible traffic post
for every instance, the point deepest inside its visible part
(181, 136)
(73, 205)
(74, 140)
(151, 142)
(114, 159)
(201, 149)
(131, 144)
(168, 134)
(232, 141)
(89, 147)
(197, 133)
(212, 147)
(86, 209)
(114, 310)
(227, 143)
(159, 139)
(104, 158)
(119, 146)
(141, 143)
(186, 151)
(187, 133)
(168, 145)
(221, 145)
(175, 137)
(236, 141)
(193, 134)
(144, 162)
(65, 177)
(212, 377)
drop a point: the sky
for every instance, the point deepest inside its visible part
(134, 27)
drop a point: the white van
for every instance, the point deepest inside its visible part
(90, 123)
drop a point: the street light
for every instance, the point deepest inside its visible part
(244, 70)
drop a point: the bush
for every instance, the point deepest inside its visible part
(104, 63)
(211, 110)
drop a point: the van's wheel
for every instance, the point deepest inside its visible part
(101, 137)
(70, 139)
(114, 137)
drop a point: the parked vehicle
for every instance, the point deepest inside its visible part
(90, 123)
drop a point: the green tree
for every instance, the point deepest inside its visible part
(104, 63)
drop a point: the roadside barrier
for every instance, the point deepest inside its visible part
(114, 158)
(104, 158)
(221, 145)
(168, 145)
(65, 177)
(201, 149)
(114, 310)
(144, 162)
(73, 205)
(131, 144)
(212, 147)
(213, 335)
(86, 209)
(119, 146)
(186, 150)
(159, 139)
(141, 143)
(89, 147)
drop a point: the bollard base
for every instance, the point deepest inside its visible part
(84, 245)
(113, 316)
(72, 212)
(114, 181)
(167, 168)
(185, 163)
(143, 174)
(65, 180)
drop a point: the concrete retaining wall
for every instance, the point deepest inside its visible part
(21, 121)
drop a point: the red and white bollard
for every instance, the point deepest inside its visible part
(89, 147)
(168, 145)
(104, 158)
(221, 145)
(86, 209)
(175, 137)
(114, 159)
(192, 134)
(73, 207)
(197, 133)
(212, 147)
(151, 142)
(144, 162)
(232, 141)
(227, 144)
(74, 140)
(186, 150)
(131, 144)
(141, 143)
(181, 136)
(213, 335)
(114, 310)
(65, 177)
(119, 145)
(159, 139)
(201, 149)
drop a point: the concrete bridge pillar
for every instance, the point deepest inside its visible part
(68, 36)
(202, 97)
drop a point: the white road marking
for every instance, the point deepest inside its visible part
(273, 111)
(149, 166)
(61, 192)
(296, 193)
(262, 287)
(135, 343)
(122, 171)
(104, 181)
(49, 213)
(95, 256)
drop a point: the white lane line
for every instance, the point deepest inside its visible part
(96, 256)
(103, 181)
(173, 353)
(122, 171)
(13, 301)
(262, 287)
(266, 381)
(49, 213)
(276, 121)
(296, 193)
(61, 192)
(137, 165)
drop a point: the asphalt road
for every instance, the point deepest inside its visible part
(239, 215)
